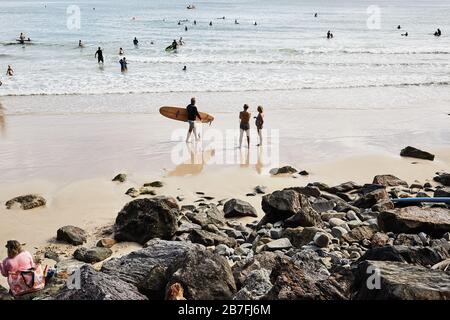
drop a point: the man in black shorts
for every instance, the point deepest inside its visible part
(99, 55)
(192, 116)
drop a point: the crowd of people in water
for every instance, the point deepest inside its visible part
(173, 46)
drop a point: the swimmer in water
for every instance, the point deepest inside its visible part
(120, 52)
(135, 41)
(10, 71)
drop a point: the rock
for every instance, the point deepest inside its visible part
(96, 285)
(255, 286)
(338, 232)
(440, 193)
(336, 222)
(424, 256)
(383, 205)
(279, 244)
(291, 206)
(203, 275)
(121, 177)
(388, 180)
(154, 184)
(371, 198)
(326, 216)
(4, 294)
(433, 221)
(261, 189)
(292, 282)
(51, 255)
(250, 194)
(443, 178)
(322, 240)
(379, 239)
(133, 192)
(145, 219)
(301, 236)
(408, 240)
(72, 235)
(223, 250)
(344, 187)
(207, 238)
(92, 255)
(238, 208)
(359, 234)
(207, 215)
(304, 173)
(106, 243)
(400, 281)
(140, 267)
(185, 226)
(416, 153)
(146, 190)
(323, 205)
(27, 202)
(283, 170)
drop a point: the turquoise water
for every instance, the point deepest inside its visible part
(286, 51)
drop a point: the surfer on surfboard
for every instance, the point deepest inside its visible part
(192, 116)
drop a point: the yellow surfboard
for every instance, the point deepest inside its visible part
(180, 114)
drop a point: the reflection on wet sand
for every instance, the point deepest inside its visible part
(2, 121)
(198, 158)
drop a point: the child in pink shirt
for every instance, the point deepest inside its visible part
(17, 259)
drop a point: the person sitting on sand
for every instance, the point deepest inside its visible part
(259, 123)
(175, 292)
(192, 116)
(135, 41)
(19, 261)
(99, 55)
(9, 71)
(244, 125)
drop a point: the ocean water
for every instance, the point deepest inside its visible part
(287, 51)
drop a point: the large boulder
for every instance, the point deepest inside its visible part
(386, 280)
(207, 238)
(148, 218)
(433, 221)
(425, 256)
(238, 208)
(291, 206)
(72, 235)
(203, 275)
(146, 268)
(389, 180)
(94, 285)
(27, 202)
(416, 153)
(92, 255)
(443, 178)
(292, 282)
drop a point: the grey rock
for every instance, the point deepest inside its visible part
(279, 244)
(443, 178)
(121, 177)
(416, 153)
(402, 281)
(72, 235)
(255, 286)
(238, 208)
(92, 255)
(338, 232)
(207, 238)
(283, 170)
(99, 286)
(261, 189)
(321, 240)
(207, 215)
(154, 184)
(26, 202)
(148, 218)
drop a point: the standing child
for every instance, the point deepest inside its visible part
(259, 123)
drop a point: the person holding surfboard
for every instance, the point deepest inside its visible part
(244, 119)
(192, 116)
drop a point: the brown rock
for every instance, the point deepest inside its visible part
(359, 234)
(433, 221)
(379, 239)
(388, 180)
(106, 242)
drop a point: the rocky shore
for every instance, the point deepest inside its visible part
(314, 242)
